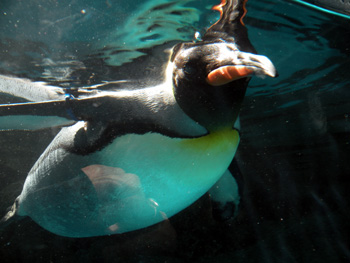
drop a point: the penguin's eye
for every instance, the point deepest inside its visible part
(189, 69)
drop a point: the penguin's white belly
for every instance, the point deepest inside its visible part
(136, 181)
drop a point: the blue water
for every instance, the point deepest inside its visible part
(295, 145)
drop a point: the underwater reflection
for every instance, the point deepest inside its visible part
(119, 194)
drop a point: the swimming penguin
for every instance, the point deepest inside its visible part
(134, 157)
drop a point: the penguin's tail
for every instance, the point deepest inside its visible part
(10, 217)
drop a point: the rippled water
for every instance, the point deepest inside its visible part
(295, 146)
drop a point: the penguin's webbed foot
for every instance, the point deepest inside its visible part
(225, 197)
(224, 212)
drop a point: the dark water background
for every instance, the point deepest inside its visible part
(294, 154)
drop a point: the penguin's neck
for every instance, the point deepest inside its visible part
(215, 108)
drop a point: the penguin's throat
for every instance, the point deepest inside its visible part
(215, 108)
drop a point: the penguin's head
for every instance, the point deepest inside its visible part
(210, 80)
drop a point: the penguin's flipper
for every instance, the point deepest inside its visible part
(225, 197)
(53, 113)
(21, 116)
(44, 105)
(25, 122)
(28, 90)
(237, 124)
(35, 115)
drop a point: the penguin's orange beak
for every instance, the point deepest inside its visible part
(226, 74)
(247, 65)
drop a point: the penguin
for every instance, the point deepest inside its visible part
(135, 157)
